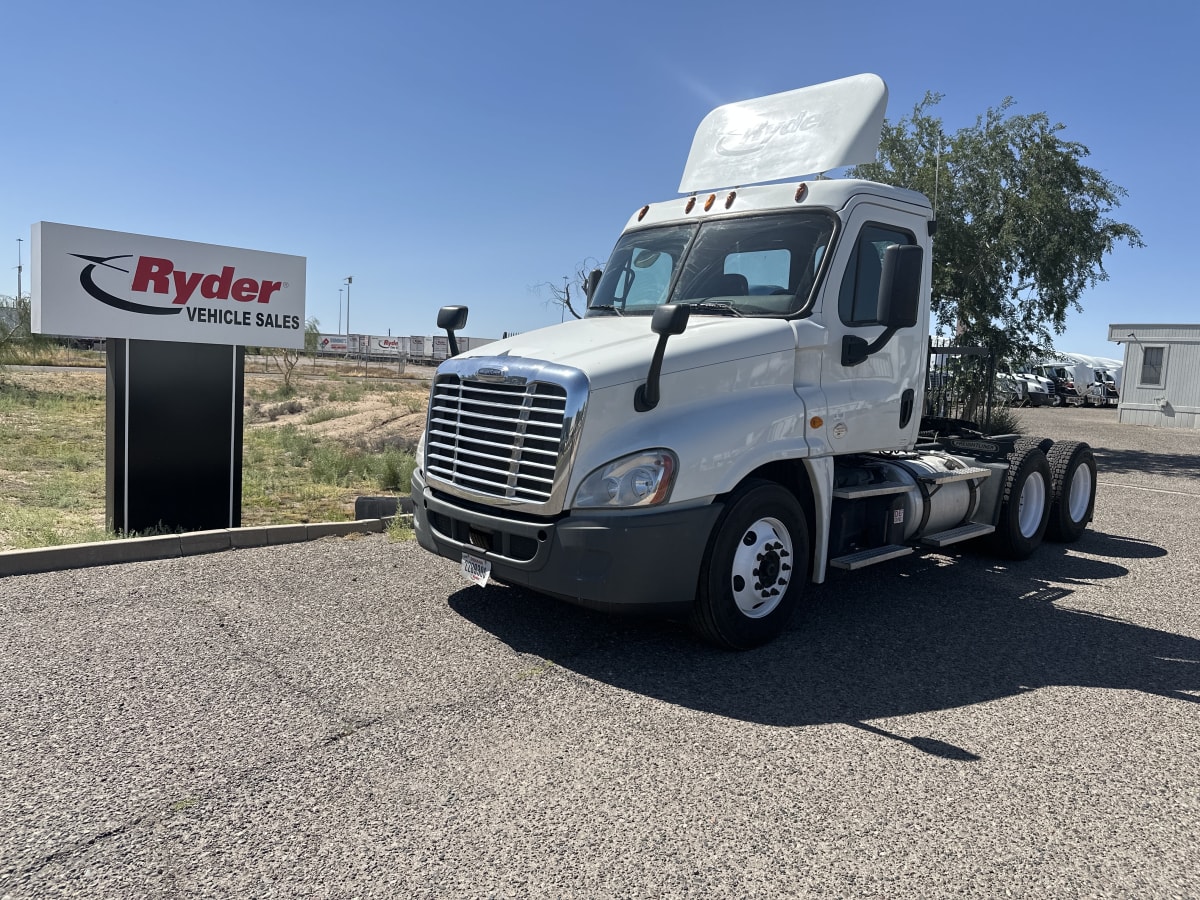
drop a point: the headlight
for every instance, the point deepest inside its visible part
(640, 479)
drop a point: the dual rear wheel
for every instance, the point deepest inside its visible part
(1049, 492)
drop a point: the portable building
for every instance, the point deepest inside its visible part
(1161, 383)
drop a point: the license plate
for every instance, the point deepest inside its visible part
(475, 569)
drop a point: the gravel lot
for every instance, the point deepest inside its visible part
(348, 718)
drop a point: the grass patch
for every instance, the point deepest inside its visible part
(51, 463)
(334, 464)
(394, 469)
(400, 529)
(347, 392)
(297, 446)
(325, 414)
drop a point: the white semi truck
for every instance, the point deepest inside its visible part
(1083, 380)
(741, 408)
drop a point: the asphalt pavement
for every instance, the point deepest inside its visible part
(347, 717)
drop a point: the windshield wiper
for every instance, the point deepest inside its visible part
(606, 307)
(722, 307)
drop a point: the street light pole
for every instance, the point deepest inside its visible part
(19, 241)
(349, 280)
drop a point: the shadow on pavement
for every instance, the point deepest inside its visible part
(1136, 461)
(926, 634)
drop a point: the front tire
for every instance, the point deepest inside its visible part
(1073, 490)
(1025, 503)
(755, 568)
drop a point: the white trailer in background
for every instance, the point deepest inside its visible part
(420, 349)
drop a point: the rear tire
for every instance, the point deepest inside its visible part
(1073, 490)
(755, 568)
(1025, 504)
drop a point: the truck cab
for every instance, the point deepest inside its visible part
(741, 407)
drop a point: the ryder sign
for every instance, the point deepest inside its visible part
(93, 283)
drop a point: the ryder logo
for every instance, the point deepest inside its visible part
(87, 280)
(753, 138)
(159, 276)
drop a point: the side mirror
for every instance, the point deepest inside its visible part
(593, 280)
(900, 286)
(668, 320)
(452, 319)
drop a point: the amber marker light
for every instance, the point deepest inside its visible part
(801, 192)
(642, 214)
(712, 198)
(729, 199)
(691, 204)
(816, 422)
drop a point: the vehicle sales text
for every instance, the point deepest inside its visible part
(242, 317)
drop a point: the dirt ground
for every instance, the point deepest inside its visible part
(373, 411)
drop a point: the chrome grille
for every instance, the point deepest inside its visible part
(502, 438)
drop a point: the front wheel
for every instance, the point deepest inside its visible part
(1073, 490)
(755, 568)
(1025, 503)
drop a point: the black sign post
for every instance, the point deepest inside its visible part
(174, 436)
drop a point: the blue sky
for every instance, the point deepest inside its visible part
(466, 152)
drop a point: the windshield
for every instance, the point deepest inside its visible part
(750, 266)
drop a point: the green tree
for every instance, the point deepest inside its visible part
(1023, 226)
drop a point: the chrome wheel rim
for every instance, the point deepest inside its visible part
(762, 568)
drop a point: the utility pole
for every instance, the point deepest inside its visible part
(19, 241)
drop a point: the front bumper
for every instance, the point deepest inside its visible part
(627, 561)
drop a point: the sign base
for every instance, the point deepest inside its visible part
(174, 436)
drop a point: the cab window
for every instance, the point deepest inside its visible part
(858, 300)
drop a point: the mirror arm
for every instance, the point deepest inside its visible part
(668, 319)
(856, 350)
(646, 397)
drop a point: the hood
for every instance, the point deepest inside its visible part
(617, 350)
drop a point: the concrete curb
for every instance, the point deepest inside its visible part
(173, 546)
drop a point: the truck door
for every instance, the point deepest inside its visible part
(877, 403)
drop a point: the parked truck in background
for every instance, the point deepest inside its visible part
(740, 411)
(1024, 388)
(1082, 380)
